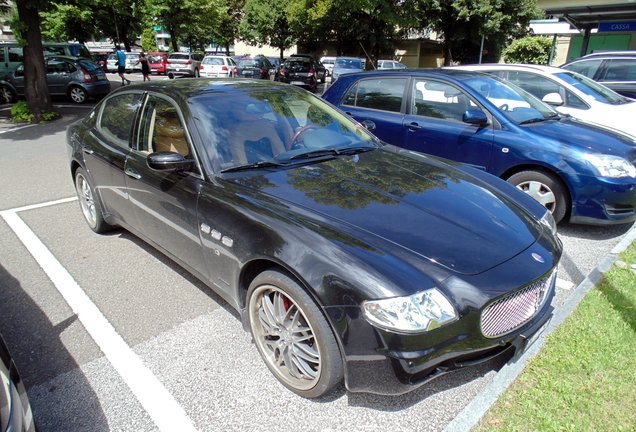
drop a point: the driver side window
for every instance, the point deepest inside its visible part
(161, 129)
(440, 101)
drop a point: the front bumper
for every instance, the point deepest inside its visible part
(391, 363)
(604, 201)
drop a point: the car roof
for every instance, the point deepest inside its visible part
(457, 74)
(610, 53)
(491, 66)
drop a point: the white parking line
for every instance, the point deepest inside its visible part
(165, 411)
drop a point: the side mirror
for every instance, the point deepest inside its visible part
(475, 117)
(369, 125)
(553, 99)
(169, 162)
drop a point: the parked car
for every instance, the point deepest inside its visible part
(102, 61)
(16, 414)
(580, 172)
(319, 69)
(217, 66)
(390, 64)
(132, 62)
(111, 63)
(184, 64)
(258, 67)
(345, 65)
(158, 62)
(616, 70)
(328, 62)
(75, 77)
(287, 209)
(569, 93)
(301, 71)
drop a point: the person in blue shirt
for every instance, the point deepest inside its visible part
(121, 66)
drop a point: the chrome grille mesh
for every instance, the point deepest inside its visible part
(514, 310)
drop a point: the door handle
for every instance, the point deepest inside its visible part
(87, 150)
(413, 126)
(132, 173)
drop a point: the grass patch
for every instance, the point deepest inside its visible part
(584, 378)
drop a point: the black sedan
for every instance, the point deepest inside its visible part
(301, 71)
(347, 258)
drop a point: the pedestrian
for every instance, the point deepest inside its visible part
(145, 66)
(121, 65)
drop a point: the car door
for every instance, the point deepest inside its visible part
(380, 102)
(620, 76)
(57, 76)
(434, 124)
(165, 203)
(105, 157)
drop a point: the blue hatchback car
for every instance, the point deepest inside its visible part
(580, 172)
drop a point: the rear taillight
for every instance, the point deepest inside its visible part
(188, 62)
(201, 67)
(282, 72)
(87, 77)
(310, 74)
(235, 70)
(224, 68)
(262, 71)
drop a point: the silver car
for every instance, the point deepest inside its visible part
(184, 64)
(345, 65)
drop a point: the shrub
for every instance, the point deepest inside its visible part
(533, 50)
(21, 113)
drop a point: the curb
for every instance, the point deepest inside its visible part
(470, 416)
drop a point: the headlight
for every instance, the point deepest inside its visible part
(548, 221)
(611, 166)
(420, 312)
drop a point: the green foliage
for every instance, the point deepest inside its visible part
(68, 22)
(533, 50)
(21, 113)
(148, 40)
(265, 23)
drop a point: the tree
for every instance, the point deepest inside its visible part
(148, 40)
(458, 21)
(118, 20)
(67, 22)
(265, 23)
(231, 15)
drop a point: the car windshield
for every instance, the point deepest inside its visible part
(278, 127)
(212, 61)
(298, 65)
(348, 64)
(592, 88)
(155, 58)
(512, 101)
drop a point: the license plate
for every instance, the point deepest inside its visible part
(101, 76)
(297, 83)
(248, 72)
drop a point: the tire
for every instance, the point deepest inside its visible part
(546, 188)
(275, 304)
(7, 94)
(91, 208)
(78, 94)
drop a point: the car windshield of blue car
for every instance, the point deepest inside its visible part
(593, 89)
(269, 128)
(348, 64)
(515, 103)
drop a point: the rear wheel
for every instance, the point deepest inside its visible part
(546, 188)
(292, 335)
(91, 209)
(7, 94)
(78, 94)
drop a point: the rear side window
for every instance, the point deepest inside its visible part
(118, 115)
(621, 70)
(382, 94)
(16, 54)
(587, 68)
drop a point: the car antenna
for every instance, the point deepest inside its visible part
(365, 53)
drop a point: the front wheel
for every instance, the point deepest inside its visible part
(546, 188)
(7, 94)
(292, 335)
(91, 209)
(78, 94)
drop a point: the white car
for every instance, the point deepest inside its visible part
(111, 63)
(389, 65)
(217, 66)
(328, 62)
(569, 93)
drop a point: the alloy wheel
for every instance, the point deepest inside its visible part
(86, 200)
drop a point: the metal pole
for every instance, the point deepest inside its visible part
(481, 50)
(552, 50)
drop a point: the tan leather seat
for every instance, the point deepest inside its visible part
(169, 135)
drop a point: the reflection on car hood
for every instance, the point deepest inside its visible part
(430, 209)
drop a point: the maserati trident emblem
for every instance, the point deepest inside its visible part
(538, 257)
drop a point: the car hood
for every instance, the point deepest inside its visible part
(413, 202)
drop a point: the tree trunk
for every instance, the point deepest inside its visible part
(36, 87)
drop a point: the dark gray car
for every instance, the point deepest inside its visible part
(614, 69)
(75, 77)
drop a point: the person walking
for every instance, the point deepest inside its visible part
(121, 66)
(145, 66)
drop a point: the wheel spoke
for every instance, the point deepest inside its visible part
(267, 315)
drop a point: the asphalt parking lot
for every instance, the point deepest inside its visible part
(111, 335)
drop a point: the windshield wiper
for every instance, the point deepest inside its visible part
(334, 151)
(534, 120)
(255, 165)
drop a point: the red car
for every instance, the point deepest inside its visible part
(157, 62)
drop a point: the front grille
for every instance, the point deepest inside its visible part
(514, 310)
